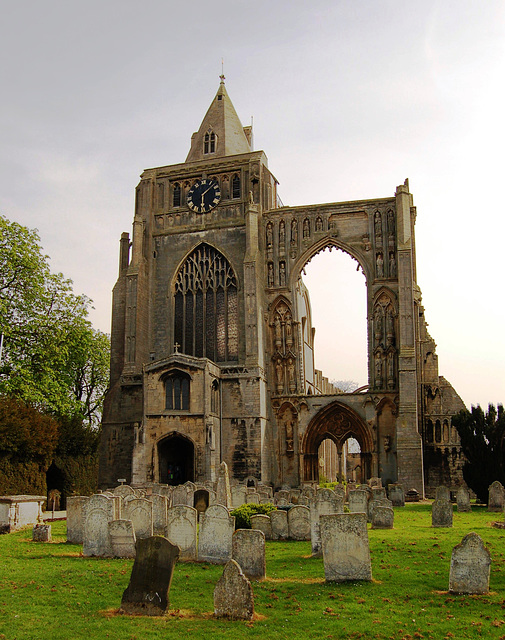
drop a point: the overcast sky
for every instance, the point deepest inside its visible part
(349, 98)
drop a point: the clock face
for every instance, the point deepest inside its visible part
(204, 195)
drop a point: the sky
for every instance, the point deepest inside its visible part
(348, 99)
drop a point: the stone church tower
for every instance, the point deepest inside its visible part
(212, 342)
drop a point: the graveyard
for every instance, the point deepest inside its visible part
(51, 591)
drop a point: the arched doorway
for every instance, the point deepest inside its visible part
(176, 455)
(338, 423)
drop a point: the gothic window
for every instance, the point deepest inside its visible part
(161, 195)
(206, 306)
(438, 432)
(235, 186)
(177, 391)
(209, 142)
(177, 195)
(429, 431)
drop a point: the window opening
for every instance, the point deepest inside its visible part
(235, 186)
(177, 392)
(177, 195)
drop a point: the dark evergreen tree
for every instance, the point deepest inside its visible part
(482, 440)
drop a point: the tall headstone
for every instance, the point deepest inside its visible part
(346, 552)
(122, 538)
(496, 501)
(147, 592)
(463, 500)
(279, 523)
(140, 512)
(75, 519)
(238, 495)
(396, 495)
(233, 594)
(181, 496)
(326, 502)
(441, 513)
(216, 535)
(262, 522)
(223, 491)
(99, 510)
(181, 530)
(249, 552)
(160, 513)
(470, 566)
(299, 523)
(442, 493)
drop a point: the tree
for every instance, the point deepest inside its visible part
(345, 386)
(52, 357)
(482, 440)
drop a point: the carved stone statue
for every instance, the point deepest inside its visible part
(392, 265)
(282, 234)
(380, 266)
(319, 224)
(294, 231)
(277, 331)
(306, 228)
(270, 234)
(282, 274)
(270, 274)
(291, 374)
(279, 374)
(378, 224)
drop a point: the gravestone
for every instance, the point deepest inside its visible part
(294, 496)
(412, 495)
(441, 514)
(346, 552)
(396, 495)
(463, 500)
(147, 592)
(378, 493)
(375, 482)
(309, 493)
(358, 501)
(160, 511)
(282, 494)
(238, 495)
(442, 493)
(140, 512)
(470, 566)
(167, 491)
(124, 490)
(252, 498)
(99, 510)
(339, 491)
(181, 530)
(299, 523)
(248, 550)
(279, 523)
(181, 496)
(223, 492)
(122, 538)
(261, 522)
(326, 502)
(41, 533)
(75, 519)
(380, 502)
(383, 517)
(233, 594)
(216, 535)
(496, 497)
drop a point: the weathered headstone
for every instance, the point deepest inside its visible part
(339, 491)
(252, 498)
(299, 523)
(261, 522)
(215, 535)
(181, 496)
(442, 493)
(124, 490)
(383, 517)
(75, 518)
(223, 491)
(358, 501)
(99, 510)
(470, 566)
(181, 530)
(441, 513)
(326, 502)
(378, 493)
(238, 495)
(380, 502)
(294, 496)
(496, 499)
(160, 511)
(233, 594)
(122, 538)
(41, 533)
(279, 522)
(282, 494)
(346, 552)
(140, 512)
(463, 500)
(147, 592)
(249, 552)
(396, 495)
(375, 482)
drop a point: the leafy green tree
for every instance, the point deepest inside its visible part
(482, 440)
(52, 357)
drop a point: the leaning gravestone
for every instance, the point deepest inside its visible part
(299, 523)
(346, 552)
(441, 514)
(75, 519)
(151, 576)
(442, 493)
(396, 495)
(181, 530)
(383, 517)
(496, 499)
(249, 552)
(99, 510)
(233, 595)
(470, 566)
(216, 535)
(463, 500)
(261, 522)
(223, 491)
(140, 512)
(279, 523)
(122, 538)
(326, 502)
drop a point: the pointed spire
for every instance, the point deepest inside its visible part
(221, 132)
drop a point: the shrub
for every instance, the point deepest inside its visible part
(245, 511)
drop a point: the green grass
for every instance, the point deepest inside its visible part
(50, 592)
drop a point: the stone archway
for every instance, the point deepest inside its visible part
(337, 423)
(176, 460)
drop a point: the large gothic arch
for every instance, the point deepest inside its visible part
(337, 422)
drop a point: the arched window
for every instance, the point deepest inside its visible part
(209, 142)
(438, 432)
(206, 307)
(235, 186)
(429, 431)
(177, 195)
(177, 391)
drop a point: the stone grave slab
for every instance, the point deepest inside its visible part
(441, 513)
(470, 566)
(346, 552)
(299, 523)
(249, 551)
(216, 535)
(233, 594)
(279, 523)
(261, 522)
(140, 512)
(181, 530)
(463, 500)
(122, 538)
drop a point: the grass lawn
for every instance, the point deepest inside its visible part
(50, 592)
